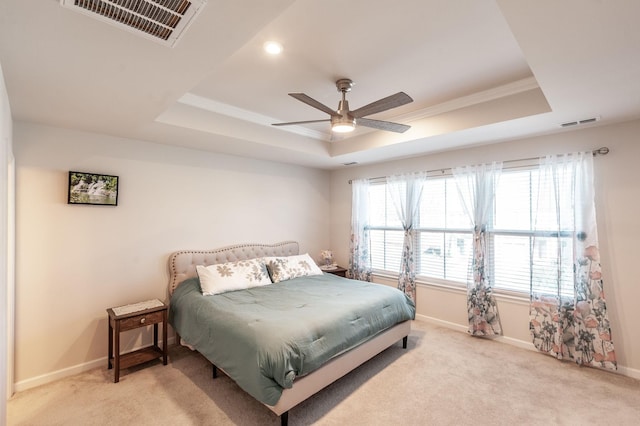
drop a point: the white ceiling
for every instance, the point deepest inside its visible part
(479, 72)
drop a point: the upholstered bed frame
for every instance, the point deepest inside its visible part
(182, 265)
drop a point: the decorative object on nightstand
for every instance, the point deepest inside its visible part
(129, 317)
(329, 266)
(327, 258)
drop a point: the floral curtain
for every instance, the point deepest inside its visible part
(359, 249)
(569, 321)
(405, 191)
(476, 187)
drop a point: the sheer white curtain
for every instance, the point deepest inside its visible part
(360, 248)
(476, 187)
(568, 314)
(406, 190)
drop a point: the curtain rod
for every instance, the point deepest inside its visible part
(600, 151)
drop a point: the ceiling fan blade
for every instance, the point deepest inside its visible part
(383, 104)
(300, 122)
(383, 125)
(312, 102)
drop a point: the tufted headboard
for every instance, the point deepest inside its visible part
(182, 264)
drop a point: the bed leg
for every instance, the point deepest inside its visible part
(404, 342)
(284, 418)
(215, 371)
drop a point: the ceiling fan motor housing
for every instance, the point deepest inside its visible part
(343, 120)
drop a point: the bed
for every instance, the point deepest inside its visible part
(321, 336)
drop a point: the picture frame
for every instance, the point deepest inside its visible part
(95, 189)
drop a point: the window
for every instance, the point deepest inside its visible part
(385, 230)
(519, 249)
(444, 232)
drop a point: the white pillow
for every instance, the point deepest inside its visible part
(285, 268)
(216, 279)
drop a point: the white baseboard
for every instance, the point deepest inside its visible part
(58, 374)
(629, 372)
(66, 372)
(442, 323)
(622, 370)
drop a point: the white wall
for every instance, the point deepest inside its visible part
(6, 240)
(74, 261)
(617, 205)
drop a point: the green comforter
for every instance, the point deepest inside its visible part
(264, 337)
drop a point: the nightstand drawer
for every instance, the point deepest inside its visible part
(140, 320)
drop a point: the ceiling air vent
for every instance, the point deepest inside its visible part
(161, 20)
(583, 121)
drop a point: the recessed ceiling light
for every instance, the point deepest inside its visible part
(273, 47)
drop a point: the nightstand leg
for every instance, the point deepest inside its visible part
(164, 337)
(116, 355)
(155, 335)
(110, 354)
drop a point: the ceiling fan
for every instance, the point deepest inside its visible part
(344, 120)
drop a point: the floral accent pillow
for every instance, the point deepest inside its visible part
(286, 268)
(223, 277)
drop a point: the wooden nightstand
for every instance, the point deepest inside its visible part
(129, 317)
(339, 271)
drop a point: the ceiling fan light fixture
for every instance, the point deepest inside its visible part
(343, 124)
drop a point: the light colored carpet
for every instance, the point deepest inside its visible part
(444, 378)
